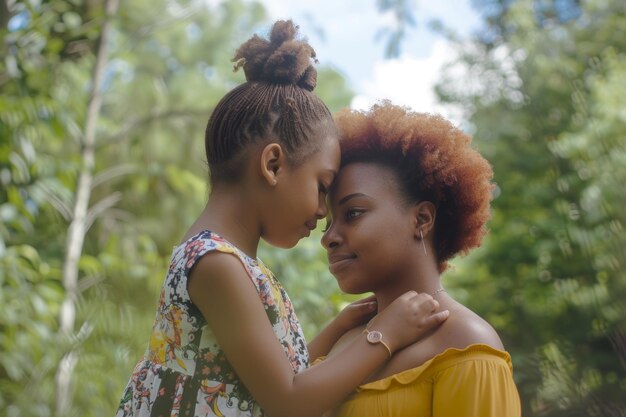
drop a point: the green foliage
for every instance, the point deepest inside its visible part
(168, 64)
(546, 107)
(30, 298)
(545, 96)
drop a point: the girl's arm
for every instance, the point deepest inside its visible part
(352, 315)
(224, 293)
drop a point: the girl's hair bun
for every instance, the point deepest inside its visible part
(282, 59)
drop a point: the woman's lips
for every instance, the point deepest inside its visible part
(337, 262)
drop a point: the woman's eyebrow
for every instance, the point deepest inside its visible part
(343, 200)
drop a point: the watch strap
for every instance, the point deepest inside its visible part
(376, 337)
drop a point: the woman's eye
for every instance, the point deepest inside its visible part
(353, 214)
(322, 188)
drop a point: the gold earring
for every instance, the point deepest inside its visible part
(423, 244)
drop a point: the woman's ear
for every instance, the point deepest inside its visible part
(272, 162)
(424, 216)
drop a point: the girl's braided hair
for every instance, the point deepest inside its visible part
(275, 104)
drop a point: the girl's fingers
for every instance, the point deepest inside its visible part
(437, 318)
(365, 300)
(366, 307)
(408, 295)
(370, 305)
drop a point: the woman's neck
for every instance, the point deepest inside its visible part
(423, 278)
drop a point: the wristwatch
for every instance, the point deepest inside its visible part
(375, 337)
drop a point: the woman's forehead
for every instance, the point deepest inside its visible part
(363, 177)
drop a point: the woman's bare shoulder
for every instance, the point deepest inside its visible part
(464, 328)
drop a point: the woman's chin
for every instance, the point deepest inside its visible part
(347, 288)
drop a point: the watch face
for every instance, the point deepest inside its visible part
(374, 336)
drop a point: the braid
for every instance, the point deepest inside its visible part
(275, 103)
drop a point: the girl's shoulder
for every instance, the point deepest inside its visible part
(204, 237)
(227, 261)
(193, 248)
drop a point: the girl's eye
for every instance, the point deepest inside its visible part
(322, 188)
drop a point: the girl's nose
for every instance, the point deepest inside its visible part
(322, 208)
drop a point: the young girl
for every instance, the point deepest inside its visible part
(410, 195)
(225, 341)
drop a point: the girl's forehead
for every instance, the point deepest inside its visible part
(329, 155)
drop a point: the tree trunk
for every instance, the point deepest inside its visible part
(5, 14)
(79, 223)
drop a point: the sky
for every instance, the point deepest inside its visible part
(343, 33)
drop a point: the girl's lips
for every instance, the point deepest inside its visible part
(311, 224)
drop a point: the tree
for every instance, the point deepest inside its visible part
(168, 64)
(552, 269)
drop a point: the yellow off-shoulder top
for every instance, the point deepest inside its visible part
(476, 381)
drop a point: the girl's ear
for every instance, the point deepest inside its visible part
(424, 217)
(272, 162)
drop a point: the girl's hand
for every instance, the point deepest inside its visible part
(408, 319)
(356, 313)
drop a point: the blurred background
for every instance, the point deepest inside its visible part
(103, 106)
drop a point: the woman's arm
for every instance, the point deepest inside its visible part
(354, 314)
(222, 290)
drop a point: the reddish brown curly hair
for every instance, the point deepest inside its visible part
(434, 161)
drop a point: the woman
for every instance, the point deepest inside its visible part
(226, 340)
(412, 194)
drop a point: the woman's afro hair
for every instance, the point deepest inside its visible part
(434, 161)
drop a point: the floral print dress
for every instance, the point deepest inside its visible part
(184, 371)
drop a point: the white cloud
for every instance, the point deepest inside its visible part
(279, 9)
(348, 44)
(409, 81)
